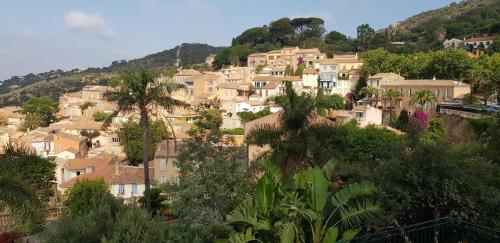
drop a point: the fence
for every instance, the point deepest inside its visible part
(443, 230)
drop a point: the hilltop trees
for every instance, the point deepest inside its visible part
(40, 112)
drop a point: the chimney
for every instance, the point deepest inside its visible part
(117, 168)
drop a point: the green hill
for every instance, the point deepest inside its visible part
(457, 20)
(16, 90)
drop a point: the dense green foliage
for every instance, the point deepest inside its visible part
(104, 218)
(131, 139)
(40, 112)
(246, 116)
(309, 209)
(79, 197)
(26, 183)
(100, 116)
(213, 180)
(233, 131)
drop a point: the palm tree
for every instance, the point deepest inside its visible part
(139, 89)
(393, 95)
(423, 98)
(369, 92)
(287, 139)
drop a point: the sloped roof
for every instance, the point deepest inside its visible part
(81, 164)
(338, 60)
(187, 72)
(70, 136)
(385, 75)
(426, 82)
(310, 71)
(483, 38)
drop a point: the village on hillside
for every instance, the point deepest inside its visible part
(85, 149)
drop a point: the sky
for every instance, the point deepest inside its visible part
(40, 35)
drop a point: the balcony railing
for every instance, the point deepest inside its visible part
(438, 230)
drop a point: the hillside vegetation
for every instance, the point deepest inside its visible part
(457, 20)
(16, 90)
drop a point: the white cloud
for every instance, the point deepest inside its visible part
(92, 24)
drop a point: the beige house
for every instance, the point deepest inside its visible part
(123, 181)
(205, 85)
(65, 142)
(256, 59)
(94, 93)
(383, 78)
(233, 91)
(309, 56)
(444, 90)
(310, 79)
(367, 115)
(164, 168)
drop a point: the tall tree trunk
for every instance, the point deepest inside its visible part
(145, 156)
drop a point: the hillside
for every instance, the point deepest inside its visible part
(457, 20)
(16, 90)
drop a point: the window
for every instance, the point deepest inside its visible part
(115, 140)
(210, 82)
(163, 179)
(121, 189)
(134, 189)
(163, 164)
(438, 92)
(359, 114)
(410, 92)
(447, 93)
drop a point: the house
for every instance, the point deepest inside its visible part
(479, 42)
(310, 79)
(76, 167)
(43, 145)
(256, 59)
(382, 78)
(83, 125)
(277, 71)
(453, 43)
(164, 158)
(233, 91)
(123, 181)
(308, 56)
(204, 86)
(94, 93)
(444, 90)
(210, 59)
(68, 145)
(367, 115)
(183, 75)
(265, 87)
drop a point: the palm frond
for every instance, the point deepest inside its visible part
(352, 216)
(352, 191)
(246, 213)
(263, 135)
(287, 232)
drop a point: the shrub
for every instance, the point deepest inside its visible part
(100, 116)
(234, 131)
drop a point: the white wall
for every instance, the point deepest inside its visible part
(128, 190)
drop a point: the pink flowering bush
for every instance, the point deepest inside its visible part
(419, 122)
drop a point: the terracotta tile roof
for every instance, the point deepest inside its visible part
(125, 175)
(273, 84)
(257, 54)
(85, 124)
(384, 75)
(81, 164)
(316, 50)
(483, 38)
(310, 71)
(244, 87)
(338, 61)
(425, 82)
(187, 72)
(70, 136)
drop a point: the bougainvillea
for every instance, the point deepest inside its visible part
(419, 122)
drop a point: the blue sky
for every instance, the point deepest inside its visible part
(40, 35)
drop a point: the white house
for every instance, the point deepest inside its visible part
(479, 42)
(367, 115)
(452, 43)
